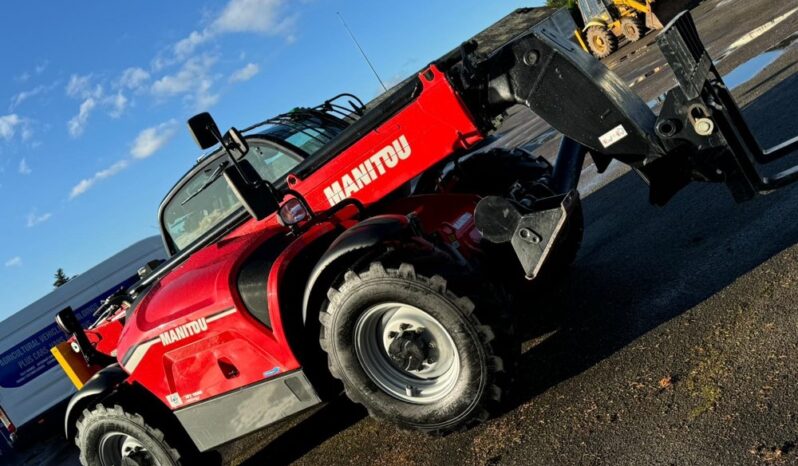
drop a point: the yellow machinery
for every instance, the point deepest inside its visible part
(607, 20)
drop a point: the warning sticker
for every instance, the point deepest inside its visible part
(174, 400)
(612, 136)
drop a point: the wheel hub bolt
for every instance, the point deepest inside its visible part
(529, 236)
(411, 391)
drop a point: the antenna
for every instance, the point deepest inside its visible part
(361, 51)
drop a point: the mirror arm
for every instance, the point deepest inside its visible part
(230, 155)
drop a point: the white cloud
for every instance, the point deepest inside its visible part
(42, 66)
(118, 104)
(133, 78)
(203, 98)
(244, 74)
(77, 124)
(259, 16)
(25, 95)
(8, 125)
(24, 168)
(152, 139)
(35, 219)
(78, 86)
(81, 87)
(192, 79)
(185, 47)
(252, 16)
(14, 262)
(85, 184)
(187, 78)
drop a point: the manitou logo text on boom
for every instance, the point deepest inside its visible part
(368, 170)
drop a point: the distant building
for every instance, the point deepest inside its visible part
(31, 383)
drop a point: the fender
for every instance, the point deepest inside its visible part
(361, 237)
(595, 22)
(102, 383)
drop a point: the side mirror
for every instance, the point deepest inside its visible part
(256, 197)
(66, 322)
(236, 143)
(204, 130)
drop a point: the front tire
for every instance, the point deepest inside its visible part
(601, 41)
(112, 436)
(411, 351)
(633, 28)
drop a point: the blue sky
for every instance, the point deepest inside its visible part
(94, 98)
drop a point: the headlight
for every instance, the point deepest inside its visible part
(292, 212)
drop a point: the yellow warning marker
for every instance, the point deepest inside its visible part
(73, 364)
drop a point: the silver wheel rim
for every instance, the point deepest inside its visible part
(380, 326)
(118, 449)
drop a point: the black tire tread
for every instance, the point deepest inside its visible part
(100, 411)
(494, 389)
(608, 37)
(638, 24)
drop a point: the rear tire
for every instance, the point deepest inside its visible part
(413, 352)
(633, 28)
(113, 436)
(601, 41)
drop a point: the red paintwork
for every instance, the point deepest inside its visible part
(105, 336)
(450, 216)
(435, 125)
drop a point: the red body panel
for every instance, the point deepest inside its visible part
(105, 336)
(191, 338)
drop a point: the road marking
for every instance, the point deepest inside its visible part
(647, 75)
(755, 33)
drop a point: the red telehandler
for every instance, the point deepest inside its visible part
(381, 247)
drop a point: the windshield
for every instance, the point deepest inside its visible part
(206, 199)
(309, 134)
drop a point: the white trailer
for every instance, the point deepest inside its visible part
(31, 383)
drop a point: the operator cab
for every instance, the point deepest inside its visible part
(202, 199)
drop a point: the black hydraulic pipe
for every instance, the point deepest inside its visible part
(568, 166)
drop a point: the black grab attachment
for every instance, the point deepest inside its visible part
(532, 231)
(701, 116)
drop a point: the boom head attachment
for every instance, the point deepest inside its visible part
(544, 70)
(703, 124)
(700, 134)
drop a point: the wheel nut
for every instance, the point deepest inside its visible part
(531, 58)
(703, 126)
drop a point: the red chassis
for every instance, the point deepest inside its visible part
(166, 363)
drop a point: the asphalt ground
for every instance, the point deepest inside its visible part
(674, 338)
